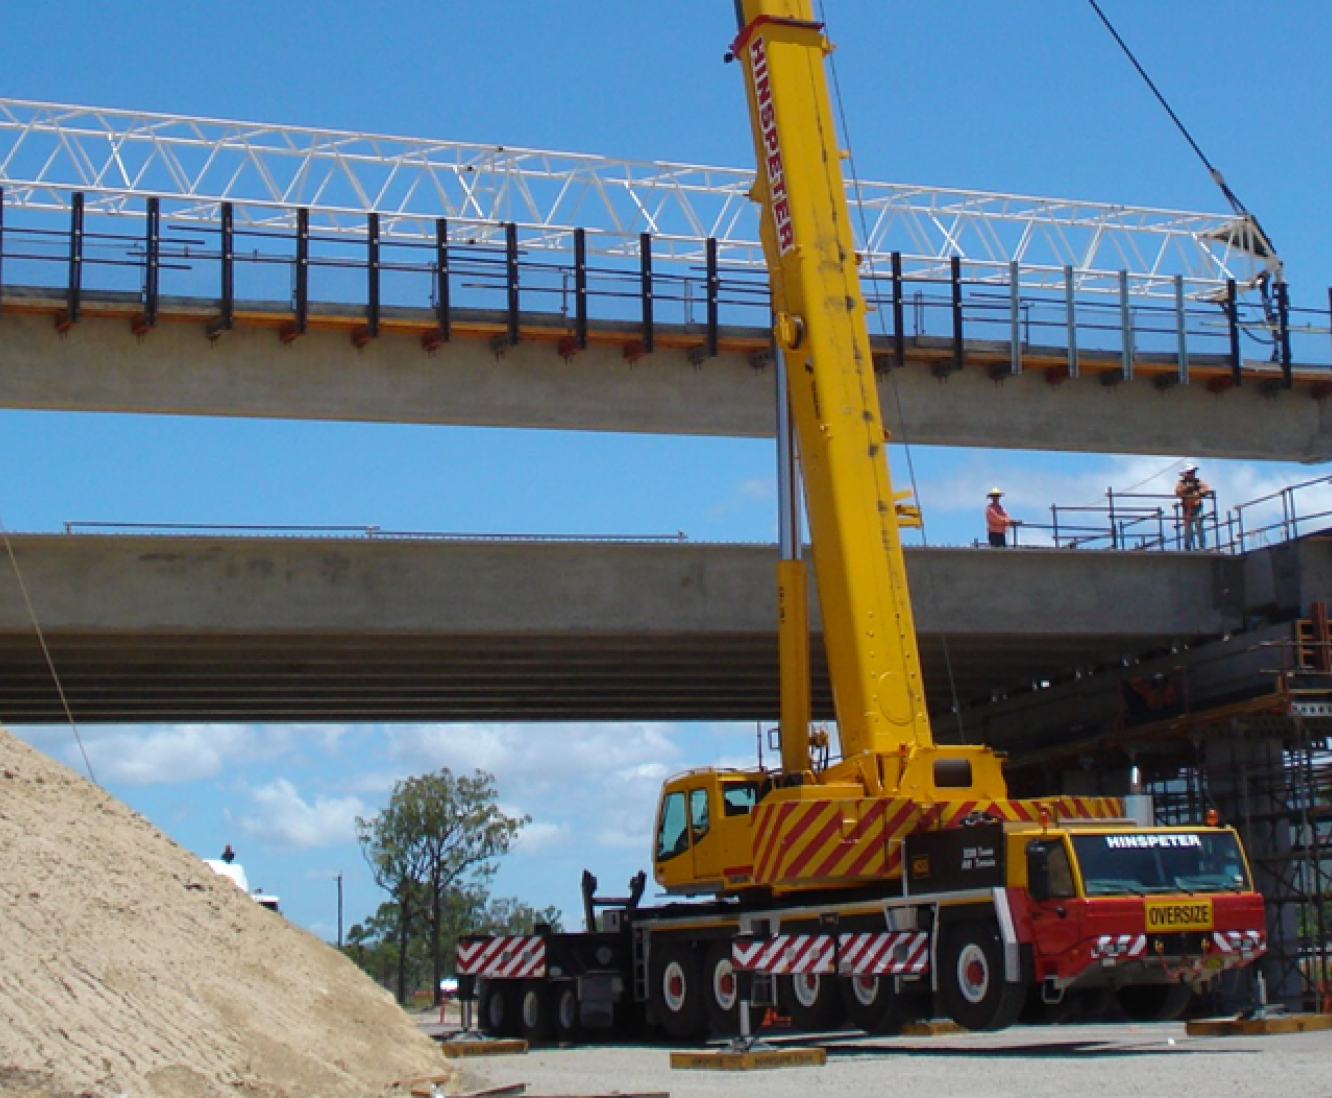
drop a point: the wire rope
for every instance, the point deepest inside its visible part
(932, 591)
(46, 650)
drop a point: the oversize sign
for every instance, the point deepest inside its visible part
(1167, 915)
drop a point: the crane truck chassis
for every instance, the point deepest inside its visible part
(897, 880)
(988, 918)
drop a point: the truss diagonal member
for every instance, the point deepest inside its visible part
(50, 151)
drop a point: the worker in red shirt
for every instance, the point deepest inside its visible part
(997, 520)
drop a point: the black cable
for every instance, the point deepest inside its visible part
(905, 441)
(1215, 172)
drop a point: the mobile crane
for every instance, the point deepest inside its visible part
(899, 878)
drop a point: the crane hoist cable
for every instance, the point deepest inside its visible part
(1262, 246)
(46, 650)
(1215, 172)
(931, 590)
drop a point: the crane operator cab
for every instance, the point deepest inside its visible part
(703, 831)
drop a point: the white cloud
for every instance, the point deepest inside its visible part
(282, 816)
(539, 836)
(171, 754)
(532, 757)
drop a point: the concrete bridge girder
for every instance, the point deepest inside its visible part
(249, 628)
(101, 365)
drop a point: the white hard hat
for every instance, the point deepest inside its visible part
(994, 492)
(1189, 468)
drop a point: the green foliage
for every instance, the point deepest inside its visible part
(432, 850)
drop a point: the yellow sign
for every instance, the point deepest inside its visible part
(1168, 915)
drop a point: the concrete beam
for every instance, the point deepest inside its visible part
(100, 365)
(161, 628)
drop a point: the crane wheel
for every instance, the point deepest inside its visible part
(536, 1012)
(874, 1004)
(1154, 1002)
(498, 1013)
(971, 976)
(678, 997)
(568, 1024)
(813, 1002)
(722, 990)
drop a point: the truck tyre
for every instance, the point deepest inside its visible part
(971, 977)
(568, 1025)
(723, 991)
(873, 1004)
(1154, 1002)
(536, 1012)
(497, 1008)
(813, 1002)
(678, 996)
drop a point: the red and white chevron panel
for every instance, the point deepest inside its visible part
(885, 953)
(786, 954)
(1239, 943)
(1128, 946)
(503, 957)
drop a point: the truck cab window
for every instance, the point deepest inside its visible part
(672, 828)
(1061, 872)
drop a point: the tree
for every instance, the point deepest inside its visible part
(438, 837)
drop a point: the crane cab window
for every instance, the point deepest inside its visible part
(739, 798)
(698, 813)
(672, 828)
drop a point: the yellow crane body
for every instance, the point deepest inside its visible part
(841, 824)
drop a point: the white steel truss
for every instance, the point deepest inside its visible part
(118, 158)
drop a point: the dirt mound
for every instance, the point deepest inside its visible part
(128, 968)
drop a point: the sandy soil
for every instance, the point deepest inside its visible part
(128, 968)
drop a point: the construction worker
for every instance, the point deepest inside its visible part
(997, 520)
(1192, 493)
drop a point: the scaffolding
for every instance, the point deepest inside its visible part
(1266, 768)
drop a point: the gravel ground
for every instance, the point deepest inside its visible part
(1104, 1061)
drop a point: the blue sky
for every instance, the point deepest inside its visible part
(1029, 96)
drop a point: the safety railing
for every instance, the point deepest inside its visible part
(1138, 521)
(998, 315)
(369, 533)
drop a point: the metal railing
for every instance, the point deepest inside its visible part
(369, 533)
(1136, 521)
(953, 313)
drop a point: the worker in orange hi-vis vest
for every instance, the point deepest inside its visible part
(997, 520)
(1192, 493)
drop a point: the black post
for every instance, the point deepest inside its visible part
(228, 256)
(1232, 320)
(152, 261)
(645, 289)
(714, 298)
(580, 287)
(75, 293)
(511, 267)
(955, 267)
(302, 269)
(372, 275)
(1283, 331)
(339, 911)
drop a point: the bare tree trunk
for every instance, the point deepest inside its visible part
(404, 939)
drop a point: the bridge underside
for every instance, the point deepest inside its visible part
(126, 677)
(156, 628)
